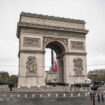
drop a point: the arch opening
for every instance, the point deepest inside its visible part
(58, 49)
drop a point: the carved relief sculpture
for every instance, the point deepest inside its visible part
(77, 45)
(31, 42)
(31, 66)
(78, 66)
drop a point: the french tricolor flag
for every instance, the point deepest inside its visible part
(54, 63)
(55, 68)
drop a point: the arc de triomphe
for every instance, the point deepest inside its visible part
(65, 36)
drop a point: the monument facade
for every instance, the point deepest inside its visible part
(65, 36)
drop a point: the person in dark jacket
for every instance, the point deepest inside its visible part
(10, 86)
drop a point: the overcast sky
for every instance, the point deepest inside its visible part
(92, 11)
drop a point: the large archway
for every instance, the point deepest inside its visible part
(65, 36)
(59, 49)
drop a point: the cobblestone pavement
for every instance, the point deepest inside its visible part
(57, 101)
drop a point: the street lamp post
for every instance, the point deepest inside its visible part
(94, 88)
(100, 96)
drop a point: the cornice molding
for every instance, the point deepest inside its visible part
(52, 33)
(79, 76)
(47, 27)
(72, 53)
(76, 53)
(31, 51)
(52, 18)
(39, 51)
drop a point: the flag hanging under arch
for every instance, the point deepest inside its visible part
(55, 68)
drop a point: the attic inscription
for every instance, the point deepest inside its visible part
(77, 45)
(31, 42)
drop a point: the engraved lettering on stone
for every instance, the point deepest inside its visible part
(31, 66)
(78, 66)
(77, 45)
(48, 39)
(31, 42)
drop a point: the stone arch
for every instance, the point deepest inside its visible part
(59, 49)
(62, 41)
(57, 46)
(65, 36)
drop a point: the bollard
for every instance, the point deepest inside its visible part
(86, 94)
(102, 97)
(64, 95)
(4, 95)
(25, 95)
(71, 94)
(56, 95)
(18, 95)
(98, 98)
(33, 96)
(49, 94)
(91, 96)
(79, 94)
(41, 95)
(93, 99)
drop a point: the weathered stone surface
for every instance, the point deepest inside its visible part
(31, 42)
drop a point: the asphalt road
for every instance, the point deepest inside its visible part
(60, 101)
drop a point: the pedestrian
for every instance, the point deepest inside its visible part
(10, 86)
